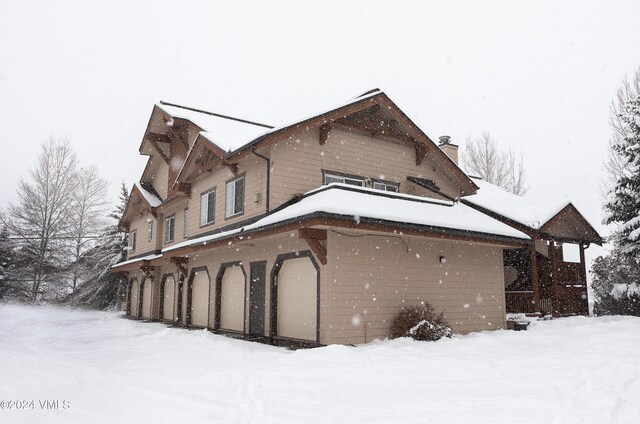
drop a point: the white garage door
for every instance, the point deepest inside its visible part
(297, 299)
(146, 298)
(232, 299)
(134, 298)
(185, 302)
(200, 300)
(169, 299)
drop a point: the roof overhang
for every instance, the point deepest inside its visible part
(570, 225)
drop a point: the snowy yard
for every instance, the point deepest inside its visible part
(109, 369)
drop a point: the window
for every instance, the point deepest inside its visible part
(169, 228)
(234, 197)
(351, 180)
(132, 241)
(207, 207)
(379, 185)
(149, 230)
(185, 223)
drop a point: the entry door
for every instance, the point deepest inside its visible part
(256, 297)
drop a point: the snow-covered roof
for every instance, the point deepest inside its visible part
(153, 200)
(518, 208)
(359, 203)
(140, 259)
(226, 133)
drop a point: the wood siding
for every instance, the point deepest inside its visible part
(260, 250)
(297, 163)
(254, 170)
(373, 277)
(140, 225)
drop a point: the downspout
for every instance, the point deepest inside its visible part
(253, 151)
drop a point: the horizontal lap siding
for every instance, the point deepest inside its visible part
(140, 225)
(373, 278)
(261, 250)
(254, 170)
(160, 179)
(297, 163)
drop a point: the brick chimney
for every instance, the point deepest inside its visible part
(448, 148)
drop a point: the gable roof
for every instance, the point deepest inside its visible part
(389, 212)
(239, 142)
(543, 217)
(140, 196)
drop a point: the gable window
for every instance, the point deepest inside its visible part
(185, 223)
(385, 186)
(207, 207)
(330, 177)
(132, 241)
(234, 197)
(169, 228)
(149, 230)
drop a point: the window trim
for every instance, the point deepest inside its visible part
(133, 239)
(385, 182)
(165, 229)
(215, 200)
(185, 223)
(244, 195)
(149, 231)
(326, 172)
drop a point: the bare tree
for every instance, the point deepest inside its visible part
(87, 219)
(615, 165)
(40, 221)
(482, 157)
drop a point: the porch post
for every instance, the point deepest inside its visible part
(534, 277)
(583, 279)
(555, 302)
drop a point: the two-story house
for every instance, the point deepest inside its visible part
(320, 231)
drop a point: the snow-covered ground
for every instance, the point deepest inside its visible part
(113, 370)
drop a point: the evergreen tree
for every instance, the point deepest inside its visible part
(103, 287)
(623, 203)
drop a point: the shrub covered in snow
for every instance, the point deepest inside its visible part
(420, 323)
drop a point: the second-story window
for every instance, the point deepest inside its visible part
(185, 223)
(149, 230)
(381, 185)
(132, 241)
(169, 228)
(234, 201)
(207, 207)
(343, 179)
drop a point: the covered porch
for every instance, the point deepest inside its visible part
(548, 278)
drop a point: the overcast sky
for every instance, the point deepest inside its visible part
(539, 76)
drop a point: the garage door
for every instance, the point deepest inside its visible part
(169, 298)
(200, 299)
(133, 296)
(232, 299)
(297, 299)
(146, 298)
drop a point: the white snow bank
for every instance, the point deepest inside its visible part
(143, 258)
(153, 200)
(573, 370)
(361, 203)
(518, 208)
(225, 133)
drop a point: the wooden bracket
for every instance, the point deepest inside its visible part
(184, 188)
(314, 238)
(180, 262)
(421, 152)
(160, 152)
(159, 138)
(324, 132)
(146, 269)
(232, 166)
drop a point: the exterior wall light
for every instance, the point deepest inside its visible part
(443, 259)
